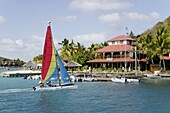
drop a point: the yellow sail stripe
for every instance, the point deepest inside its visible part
(52, 64)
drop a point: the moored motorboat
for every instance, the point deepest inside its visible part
(151, 78)
(88, 79)
(133, 80)
(125, 80)
(119, 80)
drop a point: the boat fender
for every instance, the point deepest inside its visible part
(34, 88)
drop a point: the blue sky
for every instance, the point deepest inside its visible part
(23, 23)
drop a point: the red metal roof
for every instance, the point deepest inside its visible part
(166, 57)
(115, 48)
(113, 60)
(144, 59)
(121, 37)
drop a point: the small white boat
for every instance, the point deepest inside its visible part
(125, 80)
(153, 76)
(133, 80)
(88, 79)
(119, 80)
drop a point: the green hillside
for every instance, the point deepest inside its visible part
(153, 30)
(2, 59)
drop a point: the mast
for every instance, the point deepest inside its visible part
(59, 75)
(135, 61)
(125, 48)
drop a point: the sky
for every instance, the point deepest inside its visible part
(23, 23)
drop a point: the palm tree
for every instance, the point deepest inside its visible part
(92, 50)
(145, 45)
(162, 42)
(65, 51)
(82, 54)
(104, 44)
(73, 48)
(156, 45)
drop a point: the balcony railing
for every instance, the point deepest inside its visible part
(115, 56)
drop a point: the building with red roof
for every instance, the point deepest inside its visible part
(121, 53)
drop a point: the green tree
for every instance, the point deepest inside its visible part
(65, 51)
(145, 45)
(73, 49)
(38, 58)
(161, 44)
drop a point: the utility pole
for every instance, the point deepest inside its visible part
(135, 60)
(125, 48)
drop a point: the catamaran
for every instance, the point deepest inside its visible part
(50, 72)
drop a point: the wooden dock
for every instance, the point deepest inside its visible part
(103, 79)
(20, 73)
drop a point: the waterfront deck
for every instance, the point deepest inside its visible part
(20, 73)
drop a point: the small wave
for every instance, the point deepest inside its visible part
(16, 90)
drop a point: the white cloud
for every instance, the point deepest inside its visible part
(37, 38)
(95, 5)
(88, 39)
(19, 43)
(2, 19)
(10, 45)
(67, 18)
(140, 16)
(113, 20)
(6, 41)
(154, 15)
(27, 49)
(24, 49)
(110, 18)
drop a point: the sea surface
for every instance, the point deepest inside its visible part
(17, 96)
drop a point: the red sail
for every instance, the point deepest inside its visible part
(47, 54)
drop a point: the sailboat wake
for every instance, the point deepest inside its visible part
(16, 90)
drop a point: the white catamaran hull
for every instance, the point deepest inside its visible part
(68, 86)
(119, 80)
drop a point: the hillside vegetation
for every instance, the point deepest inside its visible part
(155, 42)
(153, 30)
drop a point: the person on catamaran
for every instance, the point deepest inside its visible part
(49, 84)
(41, 84)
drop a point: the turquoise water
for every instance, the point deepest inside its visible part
(17, 96)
